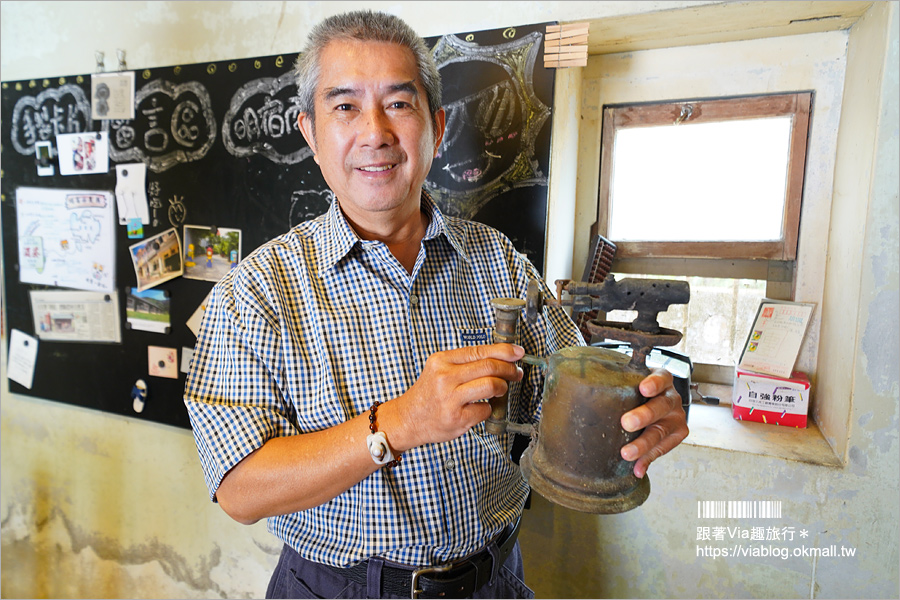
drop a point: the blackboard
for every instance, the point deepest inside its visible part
(221, 148)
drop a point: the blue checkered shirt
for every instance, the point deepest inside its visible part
(315, 325)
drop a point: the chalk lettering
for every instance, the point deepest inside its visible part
(173, 124)
(262, 119)
(53, 111)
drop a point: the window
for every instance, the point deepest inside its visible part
(709, 191)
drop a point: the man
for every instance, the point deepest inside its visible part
(338, 381)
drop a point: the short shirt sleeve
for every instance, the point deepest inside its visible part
(232, 392)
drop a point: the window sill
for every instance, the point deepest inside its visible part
(714, 427)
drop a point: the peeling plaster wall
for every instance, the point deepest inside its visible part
(95, 505)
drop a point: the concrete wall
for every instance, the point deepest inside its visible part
(93, 505)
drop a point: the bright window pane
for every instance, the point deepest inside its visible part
(700, 182)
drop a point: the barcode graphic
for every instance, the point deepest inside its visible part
(736, 509)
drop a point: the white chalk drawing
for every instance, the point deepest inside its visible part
(177, 210)
(262, 119)
(489, 144)
(491, 112)
(309, 204)
(41, 118)
(173, 124)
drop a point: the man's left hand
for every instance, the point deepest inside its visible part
(662, 418)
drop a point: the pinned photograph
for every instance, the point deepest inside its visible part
(83, 153)
(210, 252)
(44, 155)
(148, 310)
(157, 259)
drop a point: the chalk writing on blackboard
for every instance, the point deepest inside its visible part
(53, 111)
(492, 124)
(262, 119)
(173, 124)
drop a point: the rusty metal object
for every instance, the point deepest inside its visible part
(574, 458)
(648, 297)
(641, 343)
(506, 313)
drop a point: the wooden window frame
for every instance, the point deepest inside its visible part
(797, 105)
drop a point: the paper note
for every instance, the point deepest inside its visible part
(186, 355)
(196, 319)
(131, 193)
(162, 362)
(112, 95)
(22, 356)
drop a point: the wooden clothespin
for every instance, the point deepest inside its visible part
(566, 45)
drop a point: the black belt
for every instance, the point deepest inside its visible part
(456, 579)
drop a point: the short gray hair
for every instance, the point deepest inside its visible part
(364, 26)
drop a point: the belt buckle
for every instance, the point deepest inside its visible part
(414, 592)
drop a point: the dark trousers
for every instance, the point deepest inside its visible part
(296, 577)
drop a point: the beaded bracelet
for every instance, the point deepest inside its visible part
(377, 442)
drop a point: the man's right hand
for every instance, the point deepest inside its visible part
(445, 402)
(292, 473)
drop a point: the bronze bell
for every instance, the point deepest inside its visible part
(574, 457)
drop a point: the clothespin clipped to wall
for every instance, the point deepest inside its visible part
(566, 45)
(98, 56)
(120, 54)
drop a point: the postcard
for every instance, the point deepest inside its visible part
(210, 252)
(193, 323)
(157, 259)
(148, 310)
(774, 341)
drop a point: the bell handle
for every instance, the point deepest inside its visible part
(535, 360)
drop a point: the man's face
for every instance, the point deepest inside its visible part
(374, 137)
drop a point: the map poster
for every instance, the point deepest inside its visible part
(66, 238)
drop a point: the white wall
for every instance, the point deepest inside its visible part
(94, 505)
